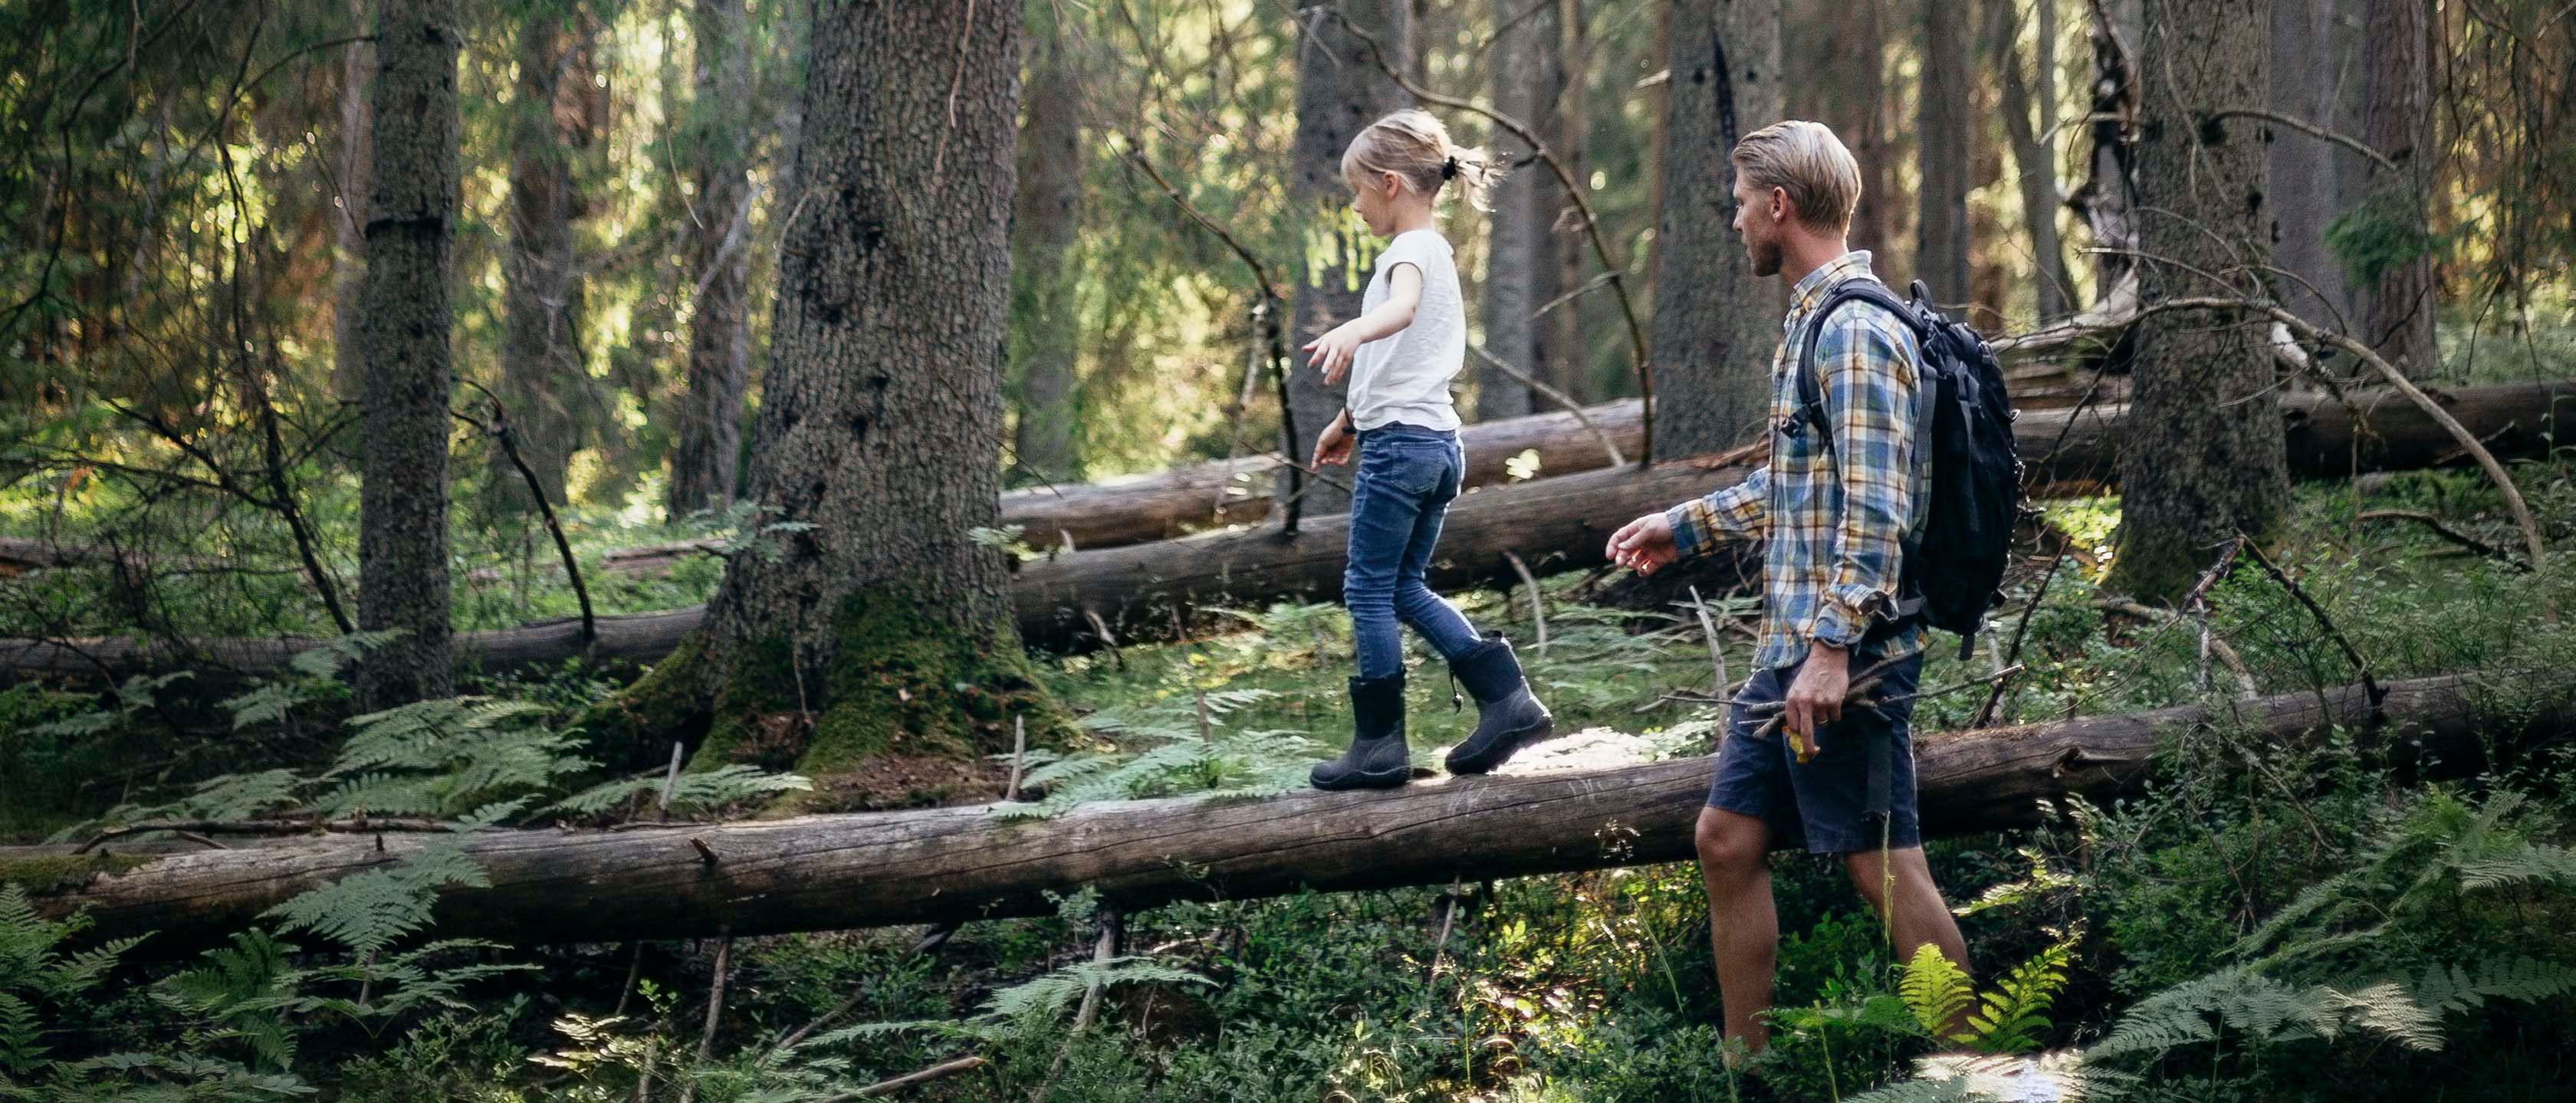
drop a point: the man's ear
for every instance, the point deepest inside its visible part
(1782, 210)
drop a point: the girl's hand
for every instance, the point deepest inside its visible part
(1333, 445)
(1332, 352)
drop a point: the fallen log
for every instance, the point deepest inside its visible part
(1553, 524)
(949, 864)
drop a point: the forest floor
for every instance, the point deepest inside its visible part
(2224, 897)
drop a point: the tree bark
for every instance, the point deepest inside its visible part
(2108, 198)
(1716, 324)
(2397, 306)
(953, 864)
(881, 626)
(1521, 263)
(1571, 364)
(1554, 524)
(2205, 458)
(1840, 50)
(2307, 83)
(349, 222)
(706, 461)
(2034, 160)
(543, 373)
(1340, 90)
(1044, 326)
(404, 321)
(1944, 141)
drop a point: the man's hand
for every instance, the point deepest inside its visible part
(1816, 698)
(1332, 352)
(1644, 544)
(1333, 445)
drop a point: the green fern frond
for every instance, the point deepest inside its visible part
(1936, 991)
(2449, 989)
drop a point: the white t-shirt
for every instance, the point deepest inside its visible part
(1405, 377)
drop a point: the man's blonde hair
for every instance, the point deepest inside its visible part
(1807, 161)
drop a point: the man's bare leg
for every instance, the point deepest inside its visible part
(1918, 916)
(1743, 929)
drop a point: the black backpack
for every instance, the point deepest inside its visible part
(1953, 560)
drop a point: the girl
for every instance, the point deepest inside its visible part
(1400, 354)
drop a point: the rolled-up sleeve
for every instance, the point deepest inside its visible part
(1738, 512)
(1866, 369)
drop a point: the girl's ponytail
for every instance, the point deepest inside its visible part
(1414, 146)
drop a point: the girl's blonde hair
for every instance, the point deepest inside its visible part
(1416, 148)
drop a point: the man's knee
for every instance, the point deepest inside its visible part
(1731, 844)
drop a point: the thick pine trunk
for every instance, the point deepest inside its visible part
(956, 864)
(2308, 83)
(1944, 141)
(2034, 159)
(404, 319)
(2205, 456)
(542, 372)
(882, 628)
(1522, 260)
(1341, 89)
(706, 461)
(2397, 307)
(1044, 327)
(1716, 324)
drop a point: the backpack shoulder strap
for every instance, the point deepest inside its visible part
(1811, 391)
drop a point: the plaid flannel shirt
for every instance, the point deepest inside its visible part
(1835, 515)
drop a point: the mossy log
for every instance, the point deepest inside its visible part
(870, 869)
(1554, 524)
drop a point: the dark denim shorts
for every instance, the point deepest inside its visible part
(1857, 794)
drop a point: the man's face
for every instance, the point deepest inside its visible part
(1757, 221)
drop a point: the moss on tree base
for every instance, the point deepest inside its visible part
(45, 874)
(906, 713)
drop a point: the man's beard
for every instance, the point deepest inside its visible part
(1765, 256)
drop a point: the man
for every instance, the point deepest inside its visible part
(1835, 502)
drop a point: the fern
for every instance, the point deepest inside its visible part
(2447, 988)
(1936, 991)
(35, 974)
(2010, 1019)
(714, 789)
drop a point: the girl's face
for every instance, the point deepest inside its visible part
(1374, 196)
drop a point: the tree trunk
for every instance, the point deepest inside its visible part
(1045, 215)
(542, 369)
(349, 221)
(2108, 197)
(1341, 89)
(954, 864)
(1521, 264)
(882, 629)
(2307, 83)
(404, 320)
(706, 460)
(1571, 362)
(2397, 305)
(1839, 53)
(2034, 160)
(1717, 324)
(2205, 458)
(1944, 144)
(1554, 524)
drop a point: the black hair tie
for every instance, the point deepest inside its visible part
(1448, 168)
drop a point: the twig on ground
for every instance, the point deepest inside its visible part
(1538, 605)
(2446, 532)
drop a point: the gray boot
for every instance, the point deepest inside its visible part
(1508, 715)
(1377, 758)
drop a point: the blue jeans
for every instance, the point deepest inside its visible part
(1407, 476)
